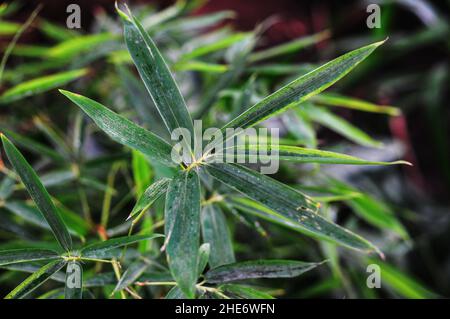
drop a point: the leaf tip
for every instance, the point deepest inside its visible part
(121, 13)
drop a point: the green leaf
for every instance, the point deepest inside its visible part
(182, 229)
(25, 255)
(290, 47)
(175, 293)
(287, 205)
(371, 209)
(40, 85)
(33, 146)
(74, 281)
(212, 47)
(402, 283)
(302, 88)
(76, 225)
(36, 279)
(156, 75)
(259, 269)
(339, 125)
(77, 45)
(334, 99)
(133, 272)
(244, 292)
(297, 154)
(201, 67)
(38, 193)
(203, 258)
(151, 194)
(8, 28)
(142, 172)
(123, 130)
(101, 249)
(215, 232)
(6, 188)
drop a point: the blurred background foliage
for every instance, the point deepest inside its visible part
(227, 54)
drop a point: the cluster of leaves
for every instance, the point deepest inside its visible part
(197, 257)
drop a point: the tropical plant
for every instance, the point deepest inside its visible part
(189, 199)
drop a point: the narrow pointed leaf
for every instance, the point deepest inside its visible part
(36, 279)
(156, 75)
(74, 281)
(299, 155)
(151, 194)
(78, 45)
(243, 292)
(131, 275)
(99, 250)
(290, 47)
(287, 205)
(38, 193)
(402, 283)
(339, 125)
(182, 229)
(16, 256)
(40, 85)
(215, 232)
(302, 88)
(259, 269)
(333, 99)
(123, 130)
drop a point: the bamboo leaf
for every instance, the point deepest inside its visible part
(302, 88)
(16, 256)
(244, 292)
(124, 131)
(38, 193)
(203, 258)
(77, 45)
(287, 205)
(151, 194)
(339, 125)
(182, 229)
(100, 249)
(215, 232)
(402, 283)
(156, 75)
(74, 281)
(133, 272)
(36, 279)
(296, 154)
(40, 85)
(74, 223)
(259, 269)
(333, 99)
(290, 47)
(214, 46)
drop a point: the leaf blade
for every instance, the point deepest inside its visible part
(302, 88)
(36, 279)
(38, 193)
(156, 75)
(99, 250)
(40, 85)
(16, 256)
(259, 269)
(182, 229)
(287, 205)
(123, 130)
(216, 233)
